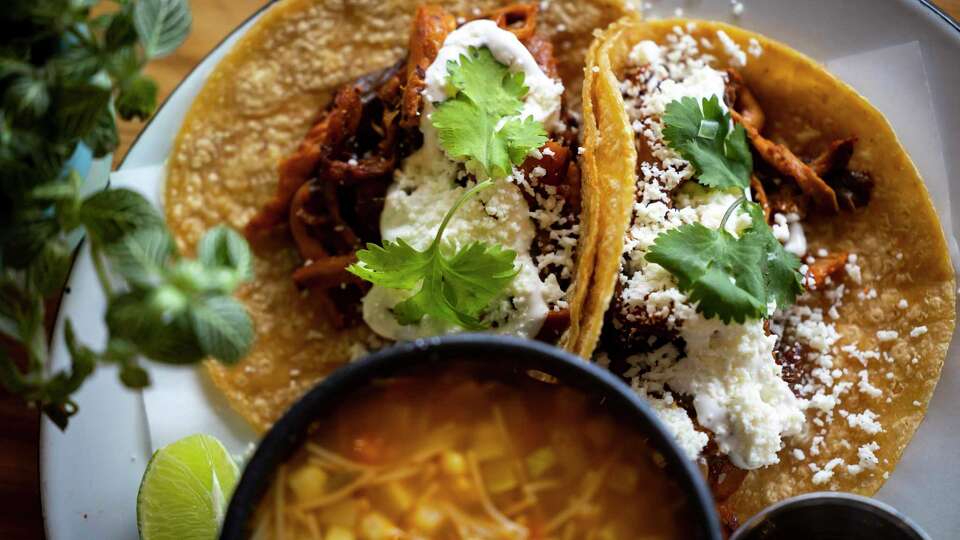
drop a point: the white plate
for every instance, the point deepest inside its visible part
(91, 473)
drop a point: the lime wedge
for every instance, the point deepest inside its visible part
(185, 490)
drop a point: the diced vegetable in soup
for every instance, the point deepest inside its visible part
(461, 455)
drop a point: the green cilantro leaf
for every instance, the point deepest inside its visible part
(782, 279)
(469, 124)
(454, 289)
(730, 278)
(473, 76)
(703, 137)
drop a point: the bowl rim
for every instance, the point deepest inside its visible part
(873, 507)
(286, 435)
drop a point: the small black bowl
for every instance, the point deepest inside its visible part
(506, 354)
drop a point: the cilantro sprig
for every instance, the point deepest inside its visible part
(702, 136)
(730, 278)
(480, 124)
(455, 288)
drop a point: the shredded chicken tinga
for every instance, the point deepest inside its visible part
(331, 191)
(762, 286)
(457, 455)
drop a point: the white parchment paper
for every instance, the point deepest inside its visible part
(926, 482)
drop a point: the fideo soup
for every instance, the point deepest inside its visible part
(466, 454)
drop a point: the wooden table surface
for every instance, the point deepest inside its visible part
(20, 514)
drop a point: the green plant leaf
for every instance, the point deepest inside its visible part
(223, 328)
(48, 272)
(134, 317)
(112, 213)
(120, 32)
(733, 279)
(78, 107)
(224, 247)
(141, 255)
(137, 98)
(701, 133)
(162, 25)
(22, 242)
(468, 124)
(455, 289)
(102, 137)
(26, 99)
(134, 376)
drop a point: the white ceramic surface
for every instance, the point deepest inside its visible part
(90, 474)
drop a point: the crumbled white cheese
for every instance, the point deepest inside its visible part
(903, 304)
(887, 335)
(918, 331)
(866, 422)
(738, 58)
(754, 48)
(737, 389)
(824, 475)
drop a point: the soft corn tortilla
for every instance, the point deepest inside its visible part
(255, 108)
(806, 108)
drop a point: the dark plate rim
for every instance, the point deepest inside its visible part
(516, 353)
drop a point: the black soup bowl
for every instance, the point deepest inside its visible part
(508, 356)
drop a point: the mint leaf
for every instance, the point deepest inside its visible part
(223, 328)
(467, 124)
(102, 137)
(223, 247)
(80, 105)
(111, 213)
(136, 317)
(137, 98)
(120, 32)
(22, 242)
(26, 99)
(48, 271)
(141, 256)
(701, 134)
(134, 376)
(162, 25)
(455, 289)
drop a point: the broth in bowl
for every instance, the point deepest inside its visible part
(472, 454)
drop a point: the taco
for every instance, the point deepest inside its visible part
(334, 131)
(771, 276)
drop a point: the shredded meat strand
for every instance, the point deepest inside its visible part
(326, 273)
(431, 24)
(740, 98)
(521, 19)
(787, 163)
(831, 266)
(835, 158)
